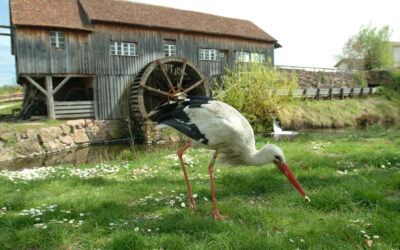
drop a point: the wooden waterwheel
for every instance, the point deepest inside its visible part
(163, 81)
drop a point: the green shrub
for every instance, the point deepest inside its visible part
(9, 89)
(252, 89)
(396, 79)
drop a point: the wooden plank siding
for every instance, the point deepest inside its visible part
(76, 109)
(89, 53)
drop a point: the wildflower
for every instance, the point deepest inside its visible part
(183, 204)
(171, 203)
(362, 231)
(205, 198)
(376, 236)
(81, 214)
(292, 241)
(136, 229)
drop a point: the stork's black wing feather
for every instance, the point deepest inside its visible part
(174, 116)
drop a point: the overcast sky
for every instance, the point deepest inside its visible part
(311, 32)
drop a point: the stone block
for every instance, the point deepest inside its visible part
(53, 146)
(80, 136)
(66, 140)
(7, 135)
(49, 134)
(28, 147)
(76, 124)
(65, 129)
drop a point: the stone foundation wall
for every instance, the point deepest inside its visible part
(38, 141)
(320, 79)
(46, 140)
(161, 136)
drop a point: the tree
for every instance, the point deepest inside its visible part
(372, 46)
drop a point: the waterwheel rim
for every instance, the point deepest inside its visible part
(163, 79)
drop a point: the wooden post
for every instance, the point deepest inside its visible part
(341, 93)
(361, 91)
(330, 93)
(318, 93)
(352, 93)
(50, 99)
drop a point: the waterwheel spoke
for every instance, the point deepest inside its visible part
(194, 85)
(165, 73)
(159, 91)
(182, 73)
(151, 114)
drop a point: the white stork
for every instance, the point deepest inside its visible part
(215, 125)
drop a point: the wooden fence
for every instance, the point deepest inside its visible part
(12, 97)
(78, 109)
(328, 93)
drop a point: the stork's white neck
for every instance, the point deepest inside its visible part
(261, 157)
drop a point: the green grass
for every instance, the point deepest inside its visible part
(341, 113)
(10, 107)
(353, 180)
(20, 126)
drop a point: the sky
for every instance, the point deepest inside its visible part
(311, 32)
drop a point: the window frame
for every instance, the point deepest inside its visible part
(168, 45)
(118, 48)
(240, 54)
(59, 39)
(259, 56)
(208, 54)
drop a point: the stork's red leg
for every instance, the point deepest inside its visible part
(192, 204)
(210, 170)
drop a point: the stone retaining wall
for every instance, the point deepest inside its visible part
(321, 79)
(46, 140)
(38, 141)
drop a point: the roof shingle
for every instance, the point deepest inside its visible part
(68, 14)
(48, 13)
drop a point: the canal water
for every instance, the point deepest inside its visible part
(104, 153)
(76, 156)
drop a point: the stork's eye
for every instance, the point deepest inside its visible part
(277, 158)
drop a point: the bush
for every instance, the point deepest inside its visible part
(396, 79)
(252, 89)
(9, 89)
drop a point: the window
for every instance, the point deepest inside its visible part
(169, 49)
(208, 54)
(257, 57)
(242, 56)
(123, 49)
(57, 39)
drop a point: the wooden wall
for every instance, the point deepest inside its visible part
(89, 53)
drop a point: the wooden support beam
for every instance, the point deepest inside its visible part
(5, 27)
(5, 34)
(50, 100)
(66, 79)
(36, 85)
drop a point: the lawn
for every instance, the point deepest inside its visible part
(353, 180)
(7, 107)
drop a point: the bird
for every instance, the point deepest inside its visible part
(217, 126)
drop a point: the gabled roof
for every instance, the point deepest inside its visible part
(48, 13)
(77, 14)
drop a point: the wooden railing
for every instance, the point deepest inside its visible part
(78, 109)
(12, 97)
(328, 93)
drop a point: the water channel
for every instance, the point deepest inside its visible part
(102, 153)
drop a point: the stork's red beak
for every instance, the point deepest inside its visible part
(288, 173)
